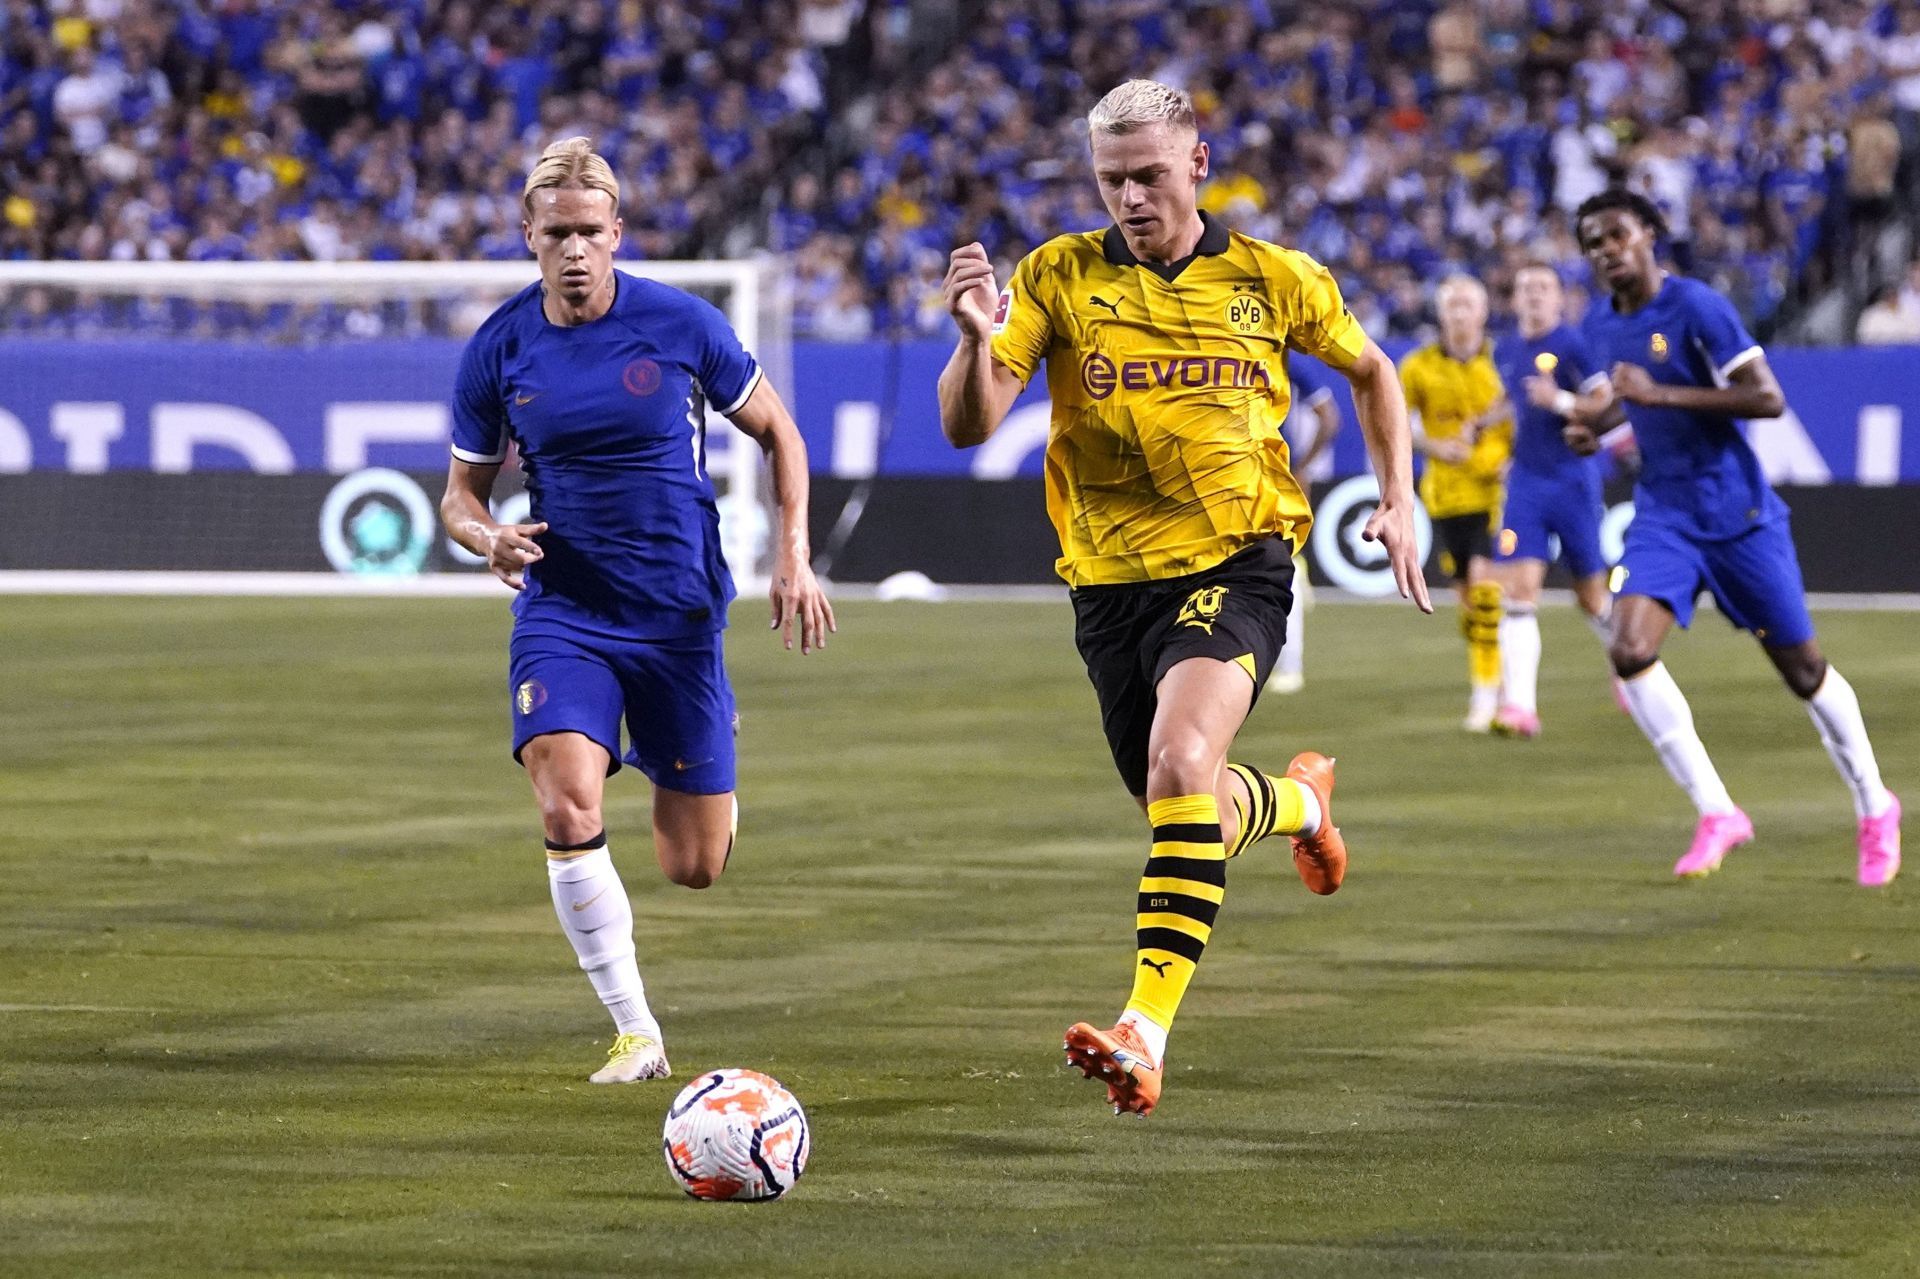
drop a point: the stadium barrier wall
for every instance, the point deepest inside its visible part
(182, 456)
(864, 408)
(383, 523)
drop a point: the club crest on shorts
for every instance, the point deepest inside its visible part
(1202, 608)
(1657, 348)
(529, 697)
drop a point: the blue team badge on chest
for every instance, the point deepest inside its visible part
(1657, 348)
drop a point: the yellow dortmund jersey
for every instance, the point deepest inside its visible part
(1169, 385)
(1447, 394)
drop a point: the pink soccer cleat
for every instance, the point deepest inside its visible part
(1880, 847)
(1620, 696)
(1717, 835)
(1511, 721)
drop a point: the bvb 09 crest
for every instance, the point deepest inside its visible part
(1245, 313)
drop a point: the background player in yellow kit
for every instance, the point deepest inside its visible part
(1465, 428)
(1164, 338)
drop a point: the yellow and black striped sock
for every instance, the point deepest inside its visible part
(1273, 807)
(1480, 623)
(1184, 883)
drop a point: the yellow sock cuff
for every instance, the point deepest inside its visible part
(1184, 810)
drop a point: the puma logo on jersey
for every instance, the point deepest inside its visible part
(521, 401)
(1111, 306)
(1159, 969)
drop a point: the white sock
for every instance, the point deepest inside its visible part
(1836, 713)
(597, 918)
(1309, 808)
(1484, 700)
(1602, 627)
(1520, 657)
(1293, 655)
(1151, 1033)
(1660, 709)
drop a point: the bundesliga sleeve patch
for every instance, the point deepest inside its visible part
(1003, 310)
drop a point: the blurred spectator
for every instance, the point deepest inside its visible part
(1394, 139)
(1885, 322)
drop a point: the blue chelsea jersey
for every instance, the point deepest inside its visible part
(1698, 474)
(610, 420)
(1538, 447)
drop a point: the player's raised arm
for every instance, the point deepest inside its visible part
(1752, 391)
(507, 548)
(1382, 410)
(976, 390)
(796, 593)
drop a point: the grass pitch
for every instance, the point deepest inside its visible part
(281, 991)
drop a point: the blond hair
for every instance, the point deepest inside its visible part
(1140, 103)
(571, 164)
(1466, 282)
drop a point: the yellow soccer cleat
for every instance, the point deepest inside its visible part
(633, 1058)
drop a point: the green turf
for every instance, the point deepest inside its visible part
(281, 992)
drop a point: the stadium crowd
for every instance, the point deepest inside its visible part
(1396, 140)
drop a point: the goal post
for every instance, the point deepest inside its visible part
(85, 329)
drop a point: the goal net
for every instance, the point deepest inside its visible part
(288, 416)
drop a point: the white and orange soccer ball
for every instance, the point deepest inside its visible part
(736, 1134)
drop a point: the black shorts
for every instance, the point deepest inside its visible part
(1461, 538)
(1131, 634)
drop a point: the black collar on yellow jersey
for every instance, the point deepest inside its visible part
(1213, 241)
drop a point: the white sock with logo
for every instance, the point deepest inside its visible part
(1660, 709)
(1520, 657)
(598, 919)
(1151, 1033)
(1836, 714)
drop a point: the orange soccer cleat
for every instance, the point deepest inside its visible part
(1119, 1059)
(1321, 858)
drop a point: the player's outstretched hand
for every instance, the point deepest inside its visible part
(969, 291)
(511, 549)
(1392, 526)
(797, 597)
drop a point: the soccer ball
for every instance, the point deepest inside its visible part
(736, 1134)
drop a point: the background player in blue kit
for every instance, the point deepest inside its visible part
(1552, 492)
(1310, 428)
(602, 380)
(1685, 372)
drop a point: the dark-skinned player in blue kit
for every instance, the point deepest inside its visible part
(602, 381)
(1686, 373)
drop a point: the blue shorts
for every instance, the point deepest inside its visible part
(1538, 509)
(673, 694)
(1754, 578)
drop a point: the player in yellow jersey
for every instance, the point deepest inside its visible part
(1164, 338)
(1466, 431)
